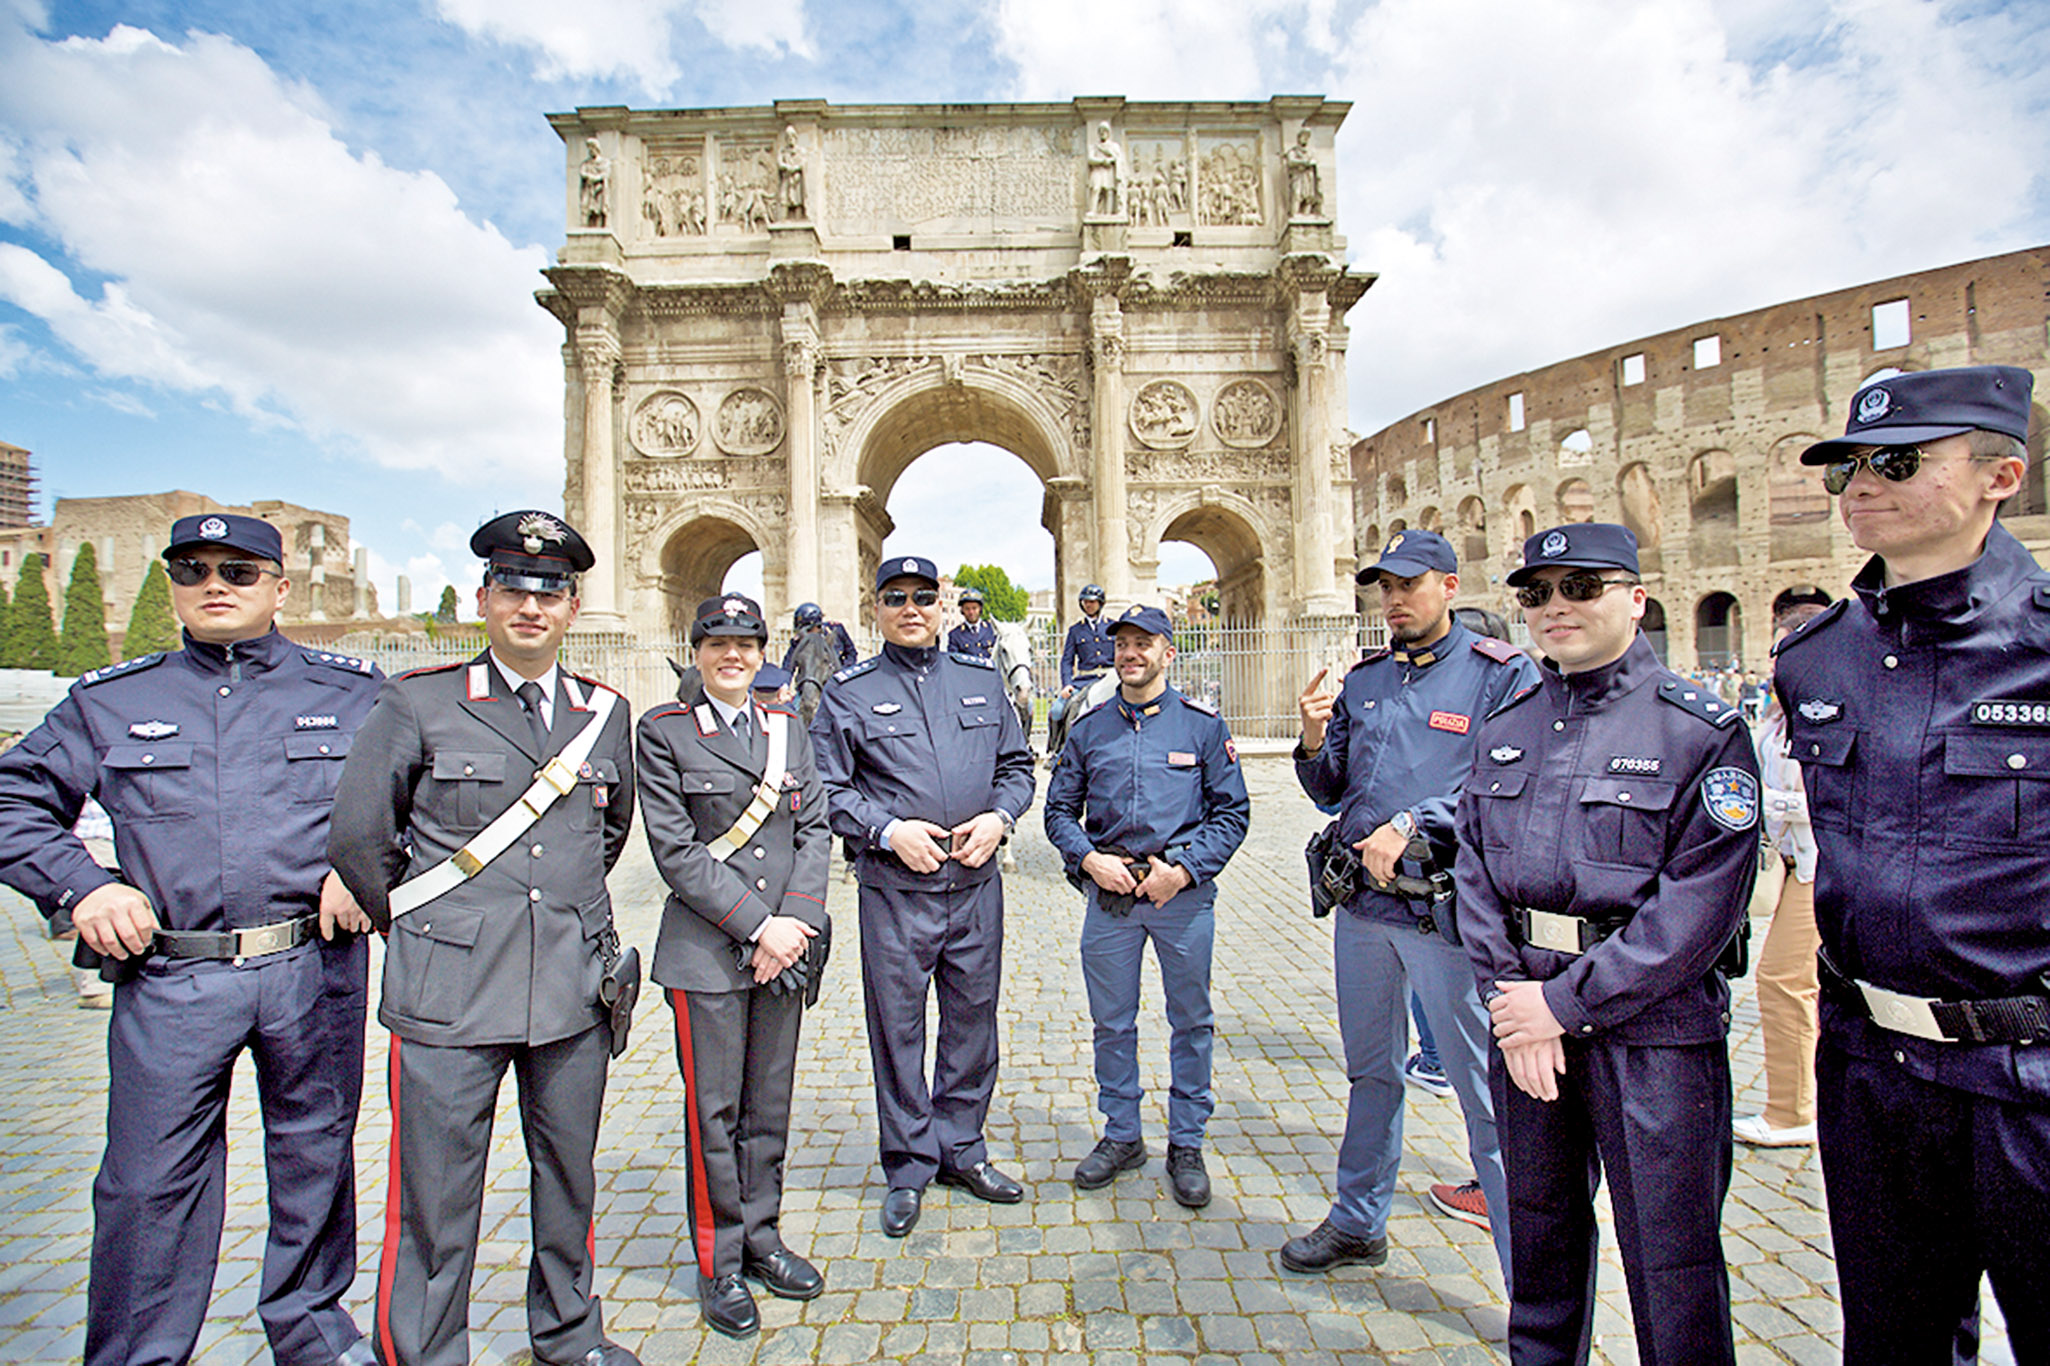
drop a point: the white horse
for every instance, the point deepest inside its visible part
(1013, 658)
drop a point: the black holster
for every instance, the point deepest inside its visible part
(1115, 903)
(1336, 874)
(620, 988)
(114, 971)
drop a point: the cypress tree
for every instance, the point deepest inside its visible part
(445, 612)
(31, 631)
(83, 645)
(152, 625)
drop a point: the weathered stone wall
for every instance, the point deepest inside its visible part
(1695, 444)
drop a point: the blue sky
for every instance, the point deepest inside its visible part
(288, 251)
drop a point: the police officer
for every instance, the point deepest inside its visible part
(925, 771)
(500, 938)
(1920, 715)
(973, 636)
(225, 929)
(1394, 749)
(1086, 655)
(1608, 838)
(810, 617)
(744, 850)
(1147, 805)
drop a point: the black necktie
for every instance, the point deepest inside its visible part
(530, 700)
(740, 730)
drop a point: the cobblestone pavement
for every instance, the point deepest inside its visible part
(1111, 1277)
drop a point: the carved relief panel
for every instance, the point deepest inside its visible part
(665, 424)
(750, 422)
(1229, 180)
(1160, 180)
(1246, 414)
(1165, 415)
(747, 183)
(880, 178)
(673, 189)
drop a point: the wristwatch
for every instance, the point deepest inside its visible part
(1404, 824)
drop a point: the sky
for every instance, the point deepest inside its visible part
(263, 250)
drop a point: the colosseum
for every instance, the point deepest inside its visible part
(1692, 438)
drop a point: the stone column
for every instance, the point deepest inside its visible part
(800, 377)
(1107, 447)
(598, 358)
(1316, 592)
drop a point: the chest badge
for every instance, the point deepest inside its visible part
(1181, 758)
(1731, 798)
(313, 723)
(2010, 712)
(1646, 767)
(152, 730)
(1819, 711)
(974, 701)
(1452, 721)
(1505, 754)
(887, 708)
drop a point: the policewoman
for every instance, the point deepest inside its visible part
(1608, 839)
(735, 817)
(1147, 805)
(226, 930)
(1919, 712)
(1393, 749)
(925, 772)
(974, 636)
(479, 812)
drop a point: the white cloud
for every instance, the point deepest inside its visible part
(15, 353)
(630, 38)
(1145, 49)
(247, 252)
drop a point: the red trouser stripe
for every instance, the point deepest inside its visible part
(700, 1191)
(388, 1264)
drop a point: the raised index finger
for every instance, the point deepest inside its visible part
(1312, 685)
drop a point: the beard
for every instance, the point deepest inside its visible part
(1417, 630)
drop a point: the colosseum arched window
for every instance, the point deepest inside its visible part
(1428, 520)
(1712, 507)
(1638, 493)
(1575, 501)
(1473, 533)
(1800, 511)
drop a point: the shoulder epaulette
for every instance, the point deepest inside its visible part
(1515, 698)
(596, 683)
(426, 669)
(126, 666)
(1829, 614)
(1700, 701)
(1501, 651)
(1374, 657)
(329, 660)
(780, 708)
(1195, 705)
(857, 669)
(976, 660)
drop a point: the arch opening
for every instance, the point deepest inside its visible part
(1718, 632)
(696, 560)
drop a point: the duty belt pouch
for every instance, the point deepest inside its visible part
(1735, 959)
(620, 987)
(113, 971)
(1335, 871)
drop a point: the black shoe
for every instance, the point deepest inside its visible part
(1109, 1157)
(984, 1182)
(610, 1354)
(727, 1306)
(1327, 1246)
(1185, 1172)
(783, 1274)
(900, 1210)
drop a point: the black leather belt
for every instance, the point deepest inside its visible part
(254, 942)
(2004, 1019)
(1561, 933)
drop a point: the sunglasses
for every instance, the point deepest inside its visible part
(1581, 587)
(234, 573)
(897, 597)
(1895, 464)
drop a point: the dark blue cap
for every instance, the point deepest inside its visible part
(1929, 405)
(729, 614)
(971, 595)
(1577, 545)
(250, 535)
(1410, 553)
(907, 567)
(771, 678)
(533, 551)
(1152, 620)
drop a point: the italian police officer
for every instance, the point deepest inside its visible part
(1608, 839)
(1147, 805)
(925, 772)
(810, 617)
(1919, 711)
(974, 636)
(737, 823)
(479, 811)
(225, 929)
(1086, 655)
(1394, 749)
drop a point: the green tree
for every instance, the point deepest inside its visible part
(83, 645)
(446, 612)
(1002, 599)
(31, 641)
(152, 625)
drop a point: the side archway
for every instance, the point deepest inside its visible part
(688, 560)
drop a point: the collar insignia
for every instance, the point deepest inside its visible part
(1505, 754)
(152, 730)
(1817, 710)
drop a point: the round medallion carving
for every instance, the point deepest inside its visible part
(1165, 415)
(1246, 414)
(750, 422)
(666, 423)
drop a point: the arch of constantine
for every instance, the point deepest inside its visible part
(771, 312)
(1693, 438)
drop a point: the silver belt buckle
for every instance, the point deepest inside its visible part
(1559, 933)
(1912, 1015)
(264, 939)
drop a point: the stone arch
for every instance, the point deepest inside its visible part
(1653, 624)
(1800, 506)
(1473, 534)
(1712, 507)
(2032, 500)
(1637, 493)
(1226, 528)
(1395, 526)
(1575, 501)
(1718, 631)
(1398, 490)
(1519, 521)
(689, 555)
(1429, 520)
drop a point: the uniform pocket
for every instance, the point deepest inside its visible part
(1994, 788)
(472, 775)
(438, 945)
(1502, 789)
(597, 781)
(152, 782)
(314, 765)
(1824, 754)
(1623, 820)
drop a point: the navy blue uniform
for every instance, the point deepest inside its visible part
(1920, 716)
(1402, 738)
(922, 734)
(218, 765)
(1088, 649)
(974, 638)
(1626, 797)
(1157, 780)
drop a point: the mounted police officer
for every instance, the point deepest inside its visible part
(479, 811)
(1147, 805)
(973, 636)
(925, 772)
(1920, 716)
(810, 617)
(737, 823)
(1394, 748)
(1086, 655)
(225, 929)
(1608, 839)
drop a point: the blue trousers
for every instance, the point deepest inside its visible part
(1379, 966)
(1112, 947)
(160, 1197)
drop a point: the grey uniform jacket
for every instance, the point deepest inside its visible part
(512, 955)
(696, 780)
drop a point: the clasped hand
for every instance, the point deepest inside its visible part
(919, 843)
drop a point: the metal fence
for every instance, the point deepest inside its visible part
(1251, 674)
